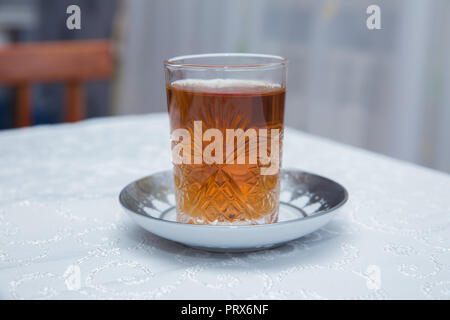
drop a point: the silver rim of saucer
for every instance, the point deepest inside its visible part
(152, 197)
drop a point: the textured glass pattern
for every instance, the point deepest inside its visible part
(228, 193)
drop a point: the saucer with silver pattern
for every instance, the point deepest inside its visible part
(307, 202)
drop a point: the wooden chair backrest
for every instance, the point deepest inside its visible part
(70, 62)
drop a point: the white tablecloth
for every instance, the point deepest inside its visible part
(64, 235)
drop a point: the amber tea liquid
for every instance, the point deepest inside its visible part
(226, 193)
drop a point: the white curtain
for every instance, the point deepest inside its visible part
(385, 90)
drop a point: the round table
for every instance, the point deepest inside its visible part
(63, 234)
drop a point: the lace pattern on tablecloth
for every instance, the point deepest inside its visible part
(64, 235)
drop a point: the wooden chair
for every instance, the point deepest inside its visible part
(70, 62)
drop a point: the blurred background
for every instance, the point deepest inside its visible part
(384, 90)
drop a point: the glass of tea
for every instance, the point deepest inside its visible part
(226, 121)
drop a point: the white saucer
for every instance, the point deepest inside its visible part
(307, 202)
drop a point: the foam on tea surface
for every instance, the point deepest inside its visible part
(221, 85)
